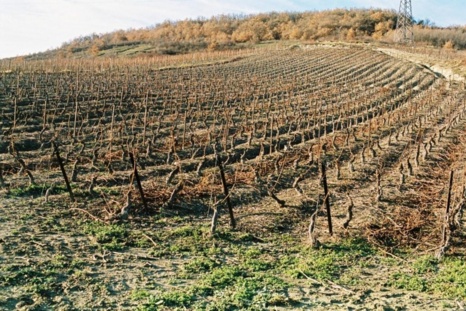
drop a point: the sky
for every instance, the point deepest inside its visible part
(29, 26)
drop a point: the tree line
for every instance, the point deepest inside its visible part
(233, 31)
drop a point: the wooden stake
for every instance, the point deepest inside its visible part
(225, 191)
(450, 186)
(138, 180)
(62, 168)
(327, 199)
(446, 231)
(2, 182)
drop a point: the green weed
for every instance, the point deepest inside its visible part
(167, 299)
(425, 264)
(36, 190)
(139, 294)
(450, 279)
(223, 276)
(42, 279)
(187, 231)
(111, 237)
(406, 281)
(332, 262)
(202, 264)
(446, 278)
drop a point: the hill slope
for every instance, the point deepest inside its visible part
(236, 31)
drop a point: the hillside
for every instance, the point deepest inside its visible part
(268, 170)
(391, 133)
(239, 31)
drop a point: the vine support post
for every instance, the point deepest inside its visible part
(326, 198)
(138, 180)
(225, 191)
(446, 230)
(62, 168)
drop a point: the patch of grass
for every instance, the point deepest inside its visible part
(352, 276)
(230, 287)
(175, 299)
(320, 265)
(450, 280)
(111, 237)
(183, 240)
(333, 262)
(253, 259)
(139, 294)
(329, 262)
(112, 191)
(16, 275)
(187, 231)
(202, 264)
(354, 247)
(36, 190)
(406, 281)
(223, 276)
(251, 253)
(245, 291)
(77, 263)
(171, 299)
(256, 265)
(45, 287)
(425, 264)
(256, 292)
(446, 278)
(55, 223)
(81, 275)
(42, 279)
(142, 242)
(59, 261)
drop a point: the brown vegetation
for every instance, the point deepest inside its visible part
(272, 117)
(237, 31)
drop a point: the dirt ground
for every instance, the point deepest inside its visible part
(49, 263)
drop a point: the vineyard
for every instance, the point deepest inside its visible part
(319, 142)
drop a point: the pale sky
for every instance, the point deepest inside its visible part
(29, 26)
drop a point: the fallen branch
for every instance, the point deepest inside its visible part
(89, 214)
(150, 239)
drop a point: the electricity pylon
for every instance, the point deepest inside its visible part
(404, 25)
